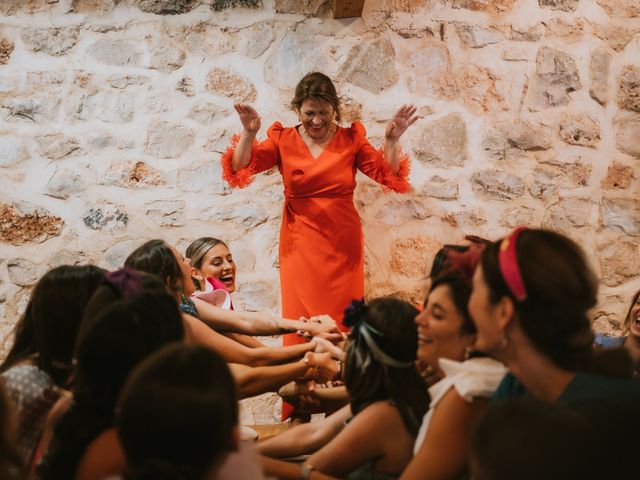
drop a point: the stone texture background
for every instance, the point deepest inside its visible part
(113, 114)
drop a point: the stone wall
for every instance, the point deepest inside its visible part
(113, 114)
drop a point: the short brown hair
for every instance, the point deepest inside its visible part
(317, 86)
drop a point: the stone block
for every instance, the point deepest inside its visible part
(166, 7)
(166, 213)
(563, 5)
(205, 177)
(105, 216)
(370, 65)
(168, 140)
(166, 56)
(431, 67)
(568, 214)
(615, 36)
(497, 184)
(185, 86)
(621, 214)
(294, 57)
(116, 52)
(108, 107)
(22, 272)
(464, 218)
(57, 146)
(115, 255)
(442, 188)
(477, 36)
(442, 143)
(599, 64)
(580, 129)
(229, 84)
(496, 7)
(131, 174)
(124, 81)
(18, 227)
(481, 89)
(303, 7)
(51, 40)
(64, 184)
(219, 5)
(629, 88)
(253, 41)
(619, 176)
(94, 6)
(33, 109)
(556, 77)
(12, 150)
(410, 256)
(259, 296)
(6, 49)
(628, 134)
(547, 179)
(620, 262)
(399, 210)
(517, 216)
(11, 7)
(208, 113)
(621, 8)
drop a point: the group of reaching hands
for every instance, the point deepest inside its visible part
(325, 360)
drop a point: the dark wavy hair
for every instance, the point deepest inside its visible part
(157, 258)
(316, 86)
(180, 392)
(394, 320)
(561, 289)
(50, 323)
(123, 335)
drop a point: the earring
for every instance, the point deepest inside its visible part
(467, 353)
(504, 343)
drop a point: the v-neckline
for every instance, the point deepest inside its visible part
(315, 159)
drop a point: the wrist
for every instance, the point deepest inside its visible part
(305, 471)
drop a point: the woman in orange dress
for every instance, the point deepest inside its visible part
(321, 243)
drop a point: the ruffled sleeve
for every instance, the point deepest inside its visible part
(264, 155)
(374, 164)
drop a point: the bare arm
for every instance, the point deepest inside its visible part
(246, 340)
(443, 454)
(288, 471)
(403, 118)
(254, 323)
(234, 352)
(251, 124)
(305, 438)
(254, 381)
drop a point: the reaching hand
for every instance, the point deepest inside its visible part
(321, 326)
(403, 119)
(325, 367)
(248, 116)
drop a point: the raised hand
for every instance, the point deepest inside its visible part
(403, 119)
(248, 116)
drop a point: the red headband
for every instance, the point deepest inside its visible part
(508, 261)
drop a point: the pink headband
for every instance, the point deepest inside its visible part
(508, 261)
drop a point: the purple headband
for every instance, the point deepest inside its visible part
(509, 268)
(125, 281)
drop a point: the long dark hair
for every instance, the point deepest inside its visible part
(124, 334)
(560, 288)
(390, 323)
(157, 258)
(182, 391)
(49, 325)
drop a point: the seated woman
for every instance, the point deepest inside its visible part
(630, 337)
(388, 397)
(532, 294)
(178, 415)
(84, 444)
(158, 258)
(38, 365)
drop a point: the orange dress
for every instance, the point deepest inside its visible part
(321, 243)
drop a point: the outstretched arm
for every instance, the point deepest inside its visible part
(251, 124)
(403, 119)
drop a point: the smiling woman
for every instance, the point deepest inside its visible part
(211, 258)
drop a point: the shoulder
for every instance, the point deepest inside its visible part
(380, 412)
(510, 387)
(357, 130)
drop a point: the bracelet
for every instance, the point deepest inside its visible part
(305, 471)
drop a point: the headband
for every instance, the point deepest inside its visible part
(509, 268)
(354, 317)
(126, 281)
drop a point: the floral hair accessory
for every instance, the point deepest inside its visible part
(509, 267)
(126, 281)
(354, 313)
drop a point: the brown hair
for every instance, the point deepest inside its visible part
(316, 86)
(561, 289)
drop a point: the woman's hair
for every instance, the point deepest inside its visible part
(460, 288)
(123, 335)
(157, 258)
(11, 466)
(197, 250)
(628, 319)
(380, 362)
(316, 86)
(49, 325)
(560, 290)
(176, 414)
